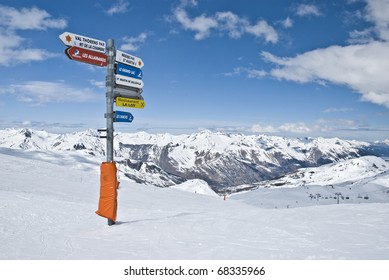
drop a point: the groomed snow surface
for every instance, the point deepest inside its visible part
(48, 202)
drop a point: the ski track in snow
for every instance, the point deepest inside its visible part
(47, 209)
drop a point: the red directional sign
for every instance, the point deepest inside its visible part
(87, 56)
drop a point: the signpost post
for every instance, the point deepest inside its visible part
(125, 88)
(110, 82)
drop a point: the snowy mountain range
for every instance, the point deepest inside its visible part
(49, 192)
(224, 161)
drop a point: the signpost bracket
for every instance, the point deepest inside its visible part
(109, 115)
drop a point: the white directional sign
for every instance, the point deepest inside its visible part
(128, 81)
(129, 59)
(70, 39)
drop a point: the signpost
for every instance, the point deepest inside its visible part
(127, 81)
(130, 102)
(128, 71)
(123, 116)
(70, 39)
(87, 56)
(129, 59)
(126, 87)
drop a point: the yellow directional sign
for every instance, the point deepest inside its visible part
(130, 102)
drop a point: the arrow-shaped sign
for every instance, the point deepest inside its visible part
(129, 59)
(130, 102)
(127, 81)
(128, 71)
(87, 56)
(123, 116)
(70, 39)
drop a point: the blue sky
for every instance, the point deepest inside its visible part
(290, 68)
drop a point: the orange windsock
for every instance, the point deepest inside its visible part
(108, 191)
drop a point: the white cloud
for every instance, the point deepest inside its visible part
(295, 128)
(347, 128)
(201, 24)
(28, 19)
(337, 110)
(134, 43)
(307, 10)
(328, 125)
(236, 72)
(378, 13)
(258, 128)
(12, 50)
(54, 127)
(361, 37)
(263, 29)
(287, 23)
(40, 92)
(98, 84)
(251, 73)
(119, 7)
(224, 22)
(299, 127)
(337, 123)
(363, 68)
(231, 23)
(187, 3)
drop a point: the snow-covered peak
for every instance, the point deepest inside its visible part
(206, 140)
(196, 186)
(26, 139)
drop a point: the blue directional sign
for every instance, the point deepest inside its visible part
(129, 71)
(123, 116)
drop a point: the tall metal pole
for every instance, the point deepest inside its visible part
(110, 78)
(110, 97)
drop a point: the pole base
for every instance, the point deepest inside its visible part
(111, 222)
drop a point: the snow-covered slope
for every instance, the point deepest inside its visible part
(48, 199)
(360, 180)
(220, 159)
(351, 171)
